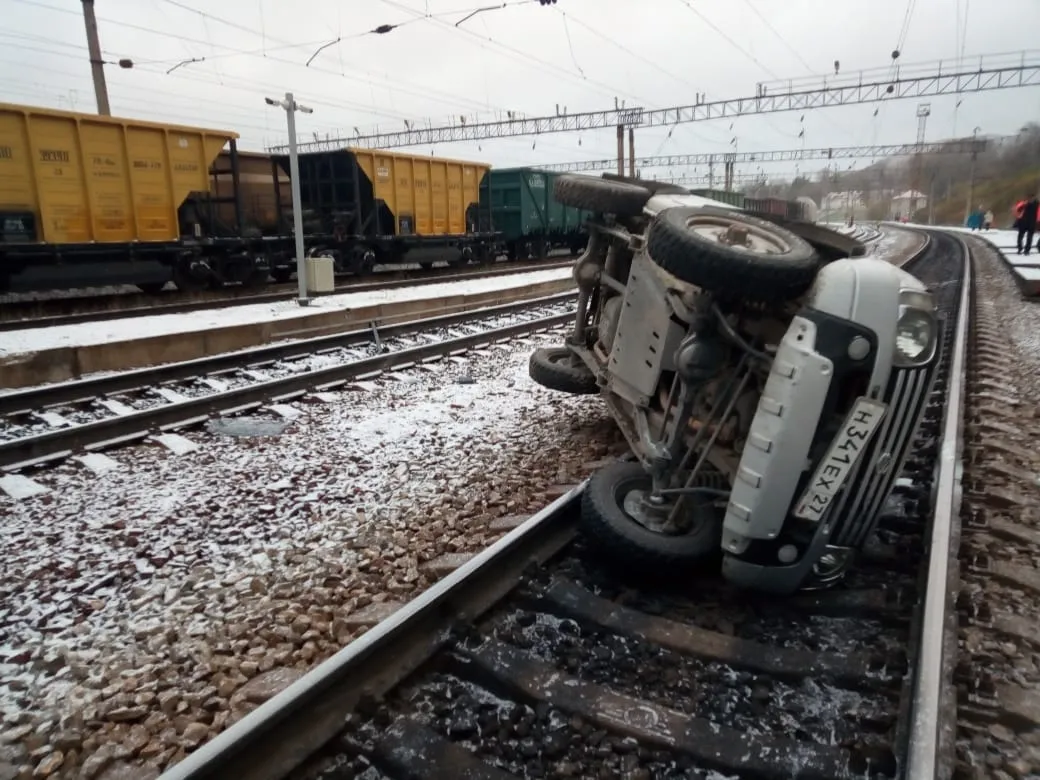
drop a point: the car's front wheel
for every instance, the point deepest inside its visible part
(618, 519)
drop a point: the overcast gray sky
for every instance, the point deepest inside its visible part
(578, 54)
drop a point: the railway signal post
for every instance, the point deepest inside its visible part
(291, 107)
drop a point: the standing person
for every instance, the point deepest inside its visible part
(1027, 224)
(1016, 214)
(987, 220)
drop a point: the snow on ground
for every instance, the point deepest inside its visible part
(895, 245)
(143, 610)
(84, 334)
(1006, 241)
(1002, 239)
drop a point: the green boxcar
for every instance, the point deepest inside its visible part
(524, 211)
(731, 198)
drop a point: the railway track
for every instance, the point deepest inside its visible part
(530, 660)
(54, 422)
(21, 315)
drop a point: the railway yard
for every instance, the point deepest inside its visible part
(379, 527)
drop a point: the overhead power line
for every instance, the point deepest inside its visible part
(782, 155)
(999, 71)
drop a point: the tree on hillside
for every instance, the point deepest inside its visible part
(1006, 170)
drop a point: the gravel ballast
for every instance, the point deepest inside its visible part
(145, 609)
(998, 665)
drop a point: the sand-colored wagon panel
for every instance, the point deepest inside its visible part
(87, 178)
(428, 196)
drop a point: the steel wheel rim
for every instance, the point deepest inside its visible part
(632, 500)
(760, 241)
(563, 357)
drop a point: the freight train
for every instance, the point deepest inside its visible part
(88, 201)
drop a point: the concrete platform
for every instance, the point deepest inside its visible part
(1026, 268)
(60, 353)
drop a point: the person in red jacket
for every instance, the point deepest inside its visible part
(1026, 224)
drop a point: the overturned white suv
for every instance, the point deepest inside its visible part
(769, 384)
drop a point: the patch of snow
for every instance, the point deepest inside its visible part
(895, 245)
(19, 487)
(98, 462)
(87, 333)
(251, 553)
(177, 444)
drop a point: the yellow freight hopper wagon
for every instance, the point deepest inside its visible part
(87, 199)
(386, 205)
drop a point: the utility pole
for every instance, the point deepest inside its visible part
(632, 151)
(291, 107)
(97, 65)
(620, 150)
(924, 110)
(931, 200)
(971, 176)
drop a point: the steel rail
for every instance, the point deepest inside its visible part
(245, 298)
(36, 398)
(62, 443)
(278, 736)
(935, 654)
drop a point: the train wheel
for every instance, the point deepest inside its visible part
(362, 261)
(426, 266)
(340, 265)
(151, 288)
(281, 275)
(186, 282)
(257, 279)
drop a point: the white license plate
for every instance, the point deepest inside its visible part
(846, 451)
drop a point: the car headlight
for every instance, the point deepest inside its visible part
(916, 329)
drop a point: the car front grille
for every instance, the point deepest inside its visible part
(872, 481)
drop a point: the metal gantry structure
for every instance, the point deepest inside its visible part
(776, 155)
(780, 178)
(988, 72)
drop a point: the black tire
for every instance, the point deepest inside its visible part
(651, 186)
(601, 195)
(558, 369)
(702, 260)
(607, 527)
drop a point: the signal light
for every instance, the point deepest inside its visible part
(546, 2)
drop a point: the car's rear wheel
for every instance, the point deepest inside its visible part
(623, 199)
(559, 369)
(732, 253)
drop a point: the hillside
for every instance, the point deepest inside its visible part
(1007, 170)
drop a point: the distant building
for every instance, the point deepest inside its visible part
(904, 204)
(837, 206)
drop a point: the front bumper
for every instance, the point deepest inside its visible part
(764, 547)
